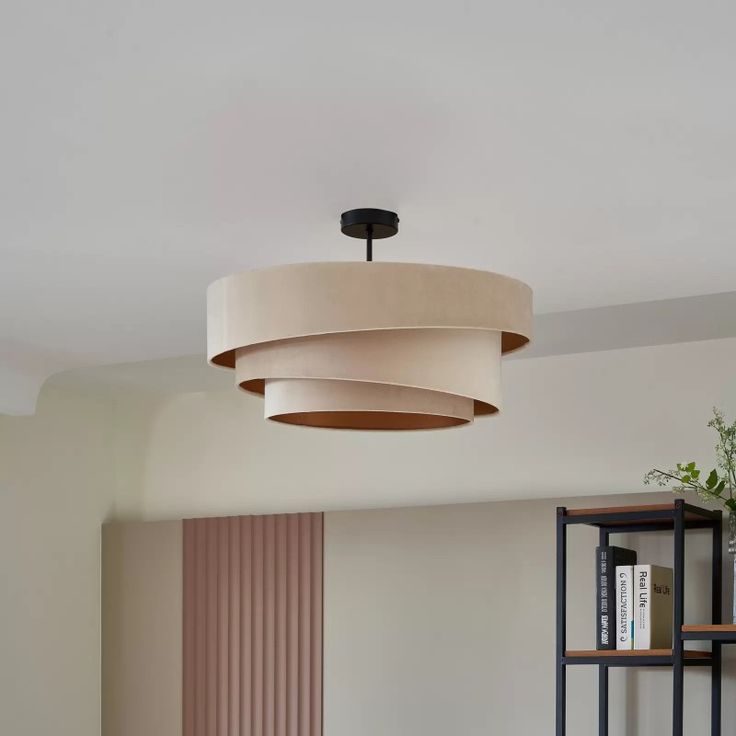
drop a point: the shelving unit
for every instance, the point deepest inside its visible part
(679, 517)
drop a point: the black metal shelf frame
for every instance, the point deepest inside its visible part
(679, 518)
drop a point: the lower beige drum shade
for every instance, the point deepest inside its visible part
(409, 379)
(369, 345)
(352, 404)
(252, 627)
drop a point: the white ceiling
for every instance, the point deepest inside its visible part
(149, 148)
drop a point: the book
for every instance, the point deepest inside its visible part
(652, 607)
(607, 559)
(624, 613)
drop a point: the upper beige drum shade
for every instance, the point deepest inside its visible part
(369, 345)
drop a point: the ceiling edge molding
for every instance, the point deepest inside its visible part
(19, 390)
(24, 369)
(642, 324)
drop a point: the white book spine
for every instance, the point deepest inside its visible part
(624, 618)
(642, 607)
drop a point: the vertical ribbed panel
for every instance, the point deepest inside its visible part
(253, 626)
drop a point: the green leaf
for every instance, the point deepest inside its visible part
(685, 479)
(712, 481)
(695, 474)
(690, 467)
(719, 488)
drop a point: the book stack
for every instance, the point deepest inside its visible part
(634, 602)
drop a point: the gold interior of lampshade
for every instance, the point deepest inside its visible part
(369, 345)
(358, 405)
(368, 420)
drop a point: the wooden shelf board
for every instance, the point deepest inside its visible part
(622, 509)
(595, 653)
(723, 633)
(658, 507)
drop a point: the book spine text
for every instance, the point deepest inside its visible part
(624, 618)
(642, 604)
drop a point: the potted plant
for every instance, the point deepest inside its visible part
(719, 486)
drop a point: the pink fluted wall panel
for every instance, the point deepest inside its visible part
(253, 626)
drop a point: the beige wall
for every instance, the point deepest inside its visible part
(438, 620)
(58, 481)
(573, 425)
(142, 629)
(441, 621)
(576, 424)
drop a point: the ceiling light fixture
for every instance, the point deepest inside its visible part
(370, 345)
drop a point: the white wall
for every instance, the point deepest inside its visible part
(62, 472)
(573, 425)
(440, 621)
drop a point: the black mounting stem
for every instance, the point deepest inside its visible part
(369, 225)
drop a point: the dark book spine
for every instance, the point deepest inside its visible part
(605, 598)
(606, 560)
